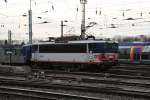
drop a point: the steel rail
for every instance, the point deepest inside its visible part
(104, 74)
(37, 93)
(91, 89)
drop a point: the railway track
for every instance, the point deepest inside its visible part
(129, 72)
(133, 70)
(93, 84)
(93, 91)
(133, 67)
(84, 85)
(42, 94)
(107, 74)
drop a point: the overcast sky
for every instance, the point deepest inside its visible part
(53, 11)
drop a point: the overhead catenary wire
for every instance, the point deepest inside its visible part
(97, 10)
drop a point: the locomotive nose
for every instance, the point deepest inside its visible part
(101, 57)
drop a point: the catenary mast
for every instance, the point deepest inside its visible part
(30, 24)
(83, 2)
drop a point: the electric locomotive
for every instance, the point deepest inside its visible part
(72, 54)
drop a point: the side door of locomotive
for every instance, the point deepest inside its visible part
(35, 52)
(90, 55)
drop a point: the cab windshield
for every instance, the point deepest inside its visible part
(103, 47)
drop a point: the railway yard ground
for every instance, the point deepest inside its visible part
(122, 82)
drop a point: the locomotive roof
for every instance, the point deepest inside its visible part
(92, 41)
(73, 42)
(79, 42)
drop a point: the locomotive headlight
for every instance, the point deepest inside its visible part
(91, 58)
